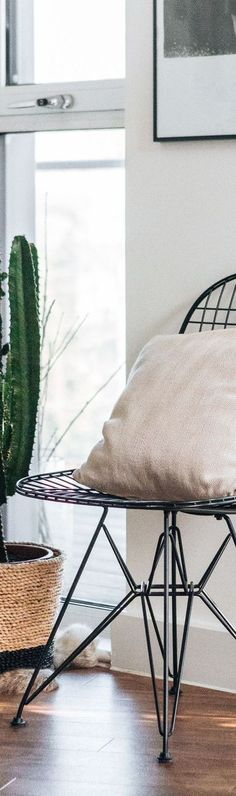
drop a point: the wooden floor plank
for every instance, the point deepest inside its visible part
(97, 735)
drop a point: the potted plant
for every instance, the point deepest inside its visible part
(30, 574)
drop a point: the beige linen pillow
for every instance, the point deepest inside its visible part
(172, 433)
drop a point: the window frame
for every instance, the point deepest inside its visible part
(96, 105)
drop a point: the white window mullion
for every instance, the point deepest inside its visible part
(22, 517)
(22, 43)
(2, 198)
(2, 43)
(20, 192)
(17, 213)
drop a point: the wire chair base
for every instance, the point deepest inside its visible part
(175, 584)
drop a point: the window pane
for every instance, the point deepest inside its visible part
(72, 41)
(80, 226)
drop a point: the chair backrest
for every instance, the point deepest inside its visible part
(214, 308)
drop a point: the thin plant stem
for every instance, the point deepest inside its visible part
(44, 326)
(82, 410)
(53, 358)
(45, 286)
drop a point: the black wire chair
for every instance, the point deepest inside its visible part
(215, 308)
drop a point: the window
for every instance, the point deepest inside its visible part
(79, 216)
(72, 204)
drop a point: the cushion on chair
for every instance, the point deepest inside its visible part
(172, 432)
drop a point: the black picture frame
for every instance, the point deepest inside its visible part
(194, 74)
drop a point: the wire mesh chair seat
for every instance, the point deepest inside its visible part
(215, 308)
(60, 487)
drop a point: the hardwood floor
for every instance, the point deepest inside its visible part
(96, 736)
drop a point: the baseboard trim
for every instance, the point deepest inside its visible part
(210, 657)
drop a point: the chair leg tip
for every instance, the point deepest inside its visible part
(173, 691)
(18, 721)
(164, 757)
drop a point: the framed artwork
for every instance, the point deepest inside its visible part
(194, 69)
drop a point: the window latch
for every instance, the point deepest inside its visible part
(60, 101)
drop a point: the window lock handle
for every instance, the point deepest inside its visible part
(61, 101)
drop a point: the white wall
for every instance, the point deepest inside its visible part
(181, 236)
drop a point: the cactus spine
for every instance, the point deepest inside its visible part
(19, 391)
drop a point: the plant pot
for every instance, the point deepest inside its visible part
(22, 551)
(30, 588)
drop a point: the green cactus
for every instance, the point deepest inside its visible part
(19, 386)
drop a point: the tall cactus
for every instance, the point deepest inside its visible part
(20, 383)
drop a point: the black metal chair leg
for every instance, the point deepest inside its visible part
(165, 756)
(151, 663)
(182, 655)
(174, 610)
(18, 721)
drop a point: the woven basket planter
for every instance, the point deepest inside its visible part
(30, 588)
